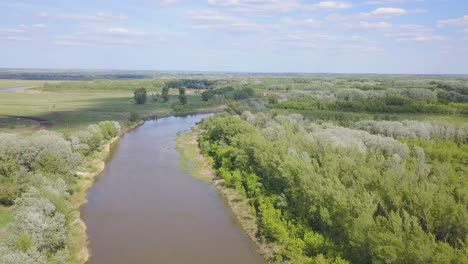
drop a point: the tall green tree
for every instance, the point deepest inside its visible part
(165, 94)
(182, 96)
(140, 96)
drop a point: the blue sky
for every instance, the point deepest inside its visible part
(354, 36)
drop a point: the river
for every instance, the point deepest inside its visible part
(144, 209)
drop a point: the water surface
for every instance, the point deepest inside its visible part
(144, 209)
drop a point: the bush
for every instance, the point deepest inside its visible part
(140, 96)
(244, 93)
(133, 117)
(48, 152)
(38, 226)
(109, 129)
(96, 138)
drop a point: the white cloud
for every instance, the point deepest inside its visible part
(92, 40)
(39, 26)
(12, 30)
(332, 5)
(168, 2)
(415, 33)
(370, 25)
(428, 38)
(21, 29)
(16, 38)
(388, 12)
(216, 20)
(266, 6)
(71, 43)
(462, 21)
(120, 31)
(95, 17)
(212, 16)
(386, 2)
(257, 5)
(308, 22)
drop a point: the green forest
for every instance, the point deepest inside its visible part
(369, 193)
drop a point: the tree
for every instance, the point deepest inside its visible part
(182, 96)
(207, 95)
(244, 93)
(140, 96)
(165, 94)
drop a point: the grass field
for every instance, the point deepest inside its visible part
(6, 84)
(75, 108)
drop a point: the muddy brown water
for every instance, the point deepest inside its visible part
(144, 209)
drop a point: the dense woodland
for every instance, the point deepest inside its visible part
(331, 194)
(38, 174)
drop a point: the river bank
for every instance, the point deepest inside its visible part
(94, 166)
(197, 165)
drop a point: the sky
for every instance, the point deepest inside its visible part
(353, 36)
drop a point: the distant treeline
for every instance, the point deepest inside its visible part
(191, 83)
(413, 100)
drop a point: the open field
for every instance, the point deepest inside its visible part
(80, 105)
(7, 84)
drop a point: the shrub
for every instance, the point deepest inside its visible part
(133, 117)
(96, 138)
(244, 93)
(48, 152)
(109, 129)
